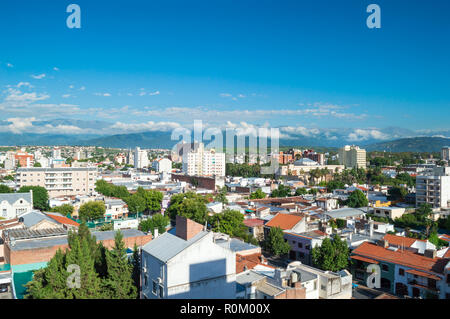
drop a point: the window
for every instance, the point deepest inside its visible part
(300, 245)
(145, 280)
(401, 271)
(308, 247)
(161, 292)
(155, 287)
(384, 267)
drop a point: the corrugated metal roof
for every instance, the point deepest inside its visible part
(32, 218)
(269, 289)
(167, 246)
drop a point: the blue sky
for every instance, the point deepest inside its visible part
(308, 65)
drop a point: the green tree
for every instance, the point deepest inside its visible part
(331, 255)
(281, 191)
(40, 196)
(64, 209)
(152, 197)
(37, 164)
(276, 243)
(119, 283)
(258, 194)
(5, 189)
(136, 203)
(188, 205)
(300, 191)
(229, 222)
(222, 196)
(92, 210)
(136, 263)
(357, 199)
(397, 193)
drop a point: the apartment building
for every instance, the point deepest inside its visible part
(204, 162)
(352, 156)
(140, 158)
(445, 153)
(433, 187)
(61, 181)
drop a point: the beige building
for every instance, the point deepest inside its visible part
(389, 212)
(62, 181)
(352, 156)
(204, 162)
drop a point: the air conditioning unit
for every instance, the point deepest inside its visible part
(159, 280)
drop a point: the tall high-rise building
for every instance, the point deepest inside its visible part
(352, 156)
(433, 187)
(56, 153)
(140, 158)
(445, 153)
(204, 162)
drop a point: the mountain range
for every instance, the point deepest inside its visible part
(98, 133)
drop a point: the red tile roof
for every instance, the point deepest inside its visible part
(63, 220)
(400, 240)
(400, 257)
(249, 261)
(284, 221)
(367, 260)
(253, 222)
(422, 274)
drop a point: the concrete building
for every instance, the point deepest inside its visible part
(62, 181)
(434, 187)
(162, 165)
(12, 205)
(187, 265)
(389, 212)
(140, 158)
(352, 157)
(115, 208)
(204, 162)
(445, 153)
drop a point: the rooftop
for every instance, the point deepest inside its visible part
(167, 245)
(11, 198)
(401, 257)
(284, 221)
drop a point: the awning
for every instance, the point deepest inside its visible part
(423, 274)
(367, 260)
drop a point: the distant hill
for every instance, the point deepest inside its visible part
(414, 144)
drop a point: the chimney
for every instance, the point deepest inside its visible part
(186, 228)
(385, 243)
(155, 231)
(430, 253)
(370, 228)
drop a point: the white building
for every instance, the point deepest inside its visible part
(434, 187)
(352, 156)
(12, 205)
(445, 153)
(162, 165)
(204, 162)
(187, 265)
(140, 158)
(115, 208)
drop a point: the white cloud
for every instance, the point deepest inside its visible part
(154, 93)
(82, 88)
(102, 94)
(365, 134)
(56, 69)
(18, 125)
(24, 98)
(26, 84)
(39, 76)
(9, 65)
(66, 96)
